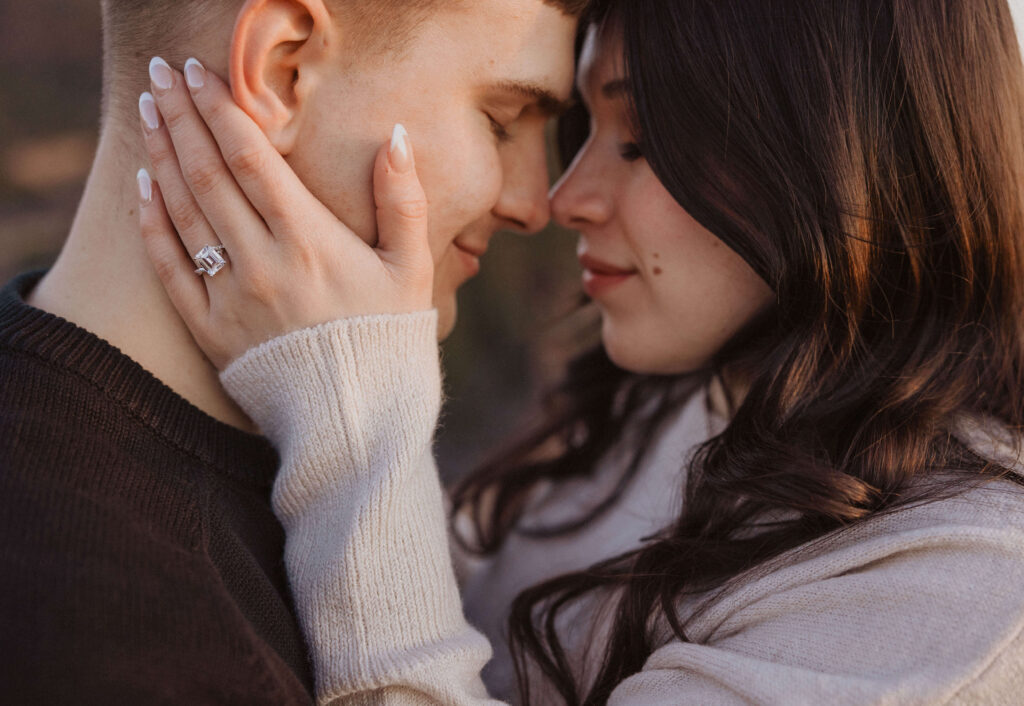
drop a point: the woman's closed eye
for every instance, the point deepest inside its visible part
(630, 151)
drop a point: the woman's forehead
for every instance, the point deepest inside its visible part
(601, 62)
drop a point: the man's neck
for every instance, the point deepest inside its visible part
(103, 281)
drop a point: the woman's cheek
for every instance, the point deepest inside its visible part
(682, 313)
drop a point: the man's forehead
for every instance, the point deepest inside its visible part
(522, 49)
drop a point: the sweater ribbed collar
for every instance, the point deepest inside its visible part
(58, 342)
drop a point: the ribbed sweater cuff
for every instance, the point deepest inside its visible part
(335, 390)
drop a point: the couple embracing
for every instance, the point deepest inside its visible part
(789, 474)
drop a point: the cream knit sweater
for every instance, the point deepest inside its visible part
(924, 606)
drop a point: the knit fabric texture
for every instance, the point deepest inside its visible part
(140, 560)
(921, 606)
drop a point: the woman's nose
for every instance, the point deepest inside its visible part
(580, 198)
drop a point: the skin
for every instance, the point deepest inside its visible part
(683, 293)
(328, 108)
(477, 180)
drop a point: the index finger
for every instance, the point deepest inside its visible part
(266, 178)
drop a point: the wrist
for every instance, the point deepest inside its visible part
(360, 368)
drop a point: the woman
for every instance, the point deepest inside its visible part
(789, 475)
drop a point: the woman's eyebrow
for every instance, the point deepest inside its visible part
(544, 99)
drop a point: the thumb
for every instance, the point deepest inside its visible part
(401, 203)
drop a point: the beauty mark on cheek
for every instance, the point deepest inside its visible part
(657, 270)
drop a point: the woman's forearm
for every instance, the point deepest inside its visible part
(352, 406)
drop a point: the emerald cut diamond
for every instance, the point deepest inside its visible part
(210, 260)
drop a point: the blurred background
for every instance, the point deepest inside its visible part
(507, 343)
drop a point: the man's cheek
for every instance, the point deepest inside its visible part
(473, 178)
(444, 227)
(446, 278)
(484, 182)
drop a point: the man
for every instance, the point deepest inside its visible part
(139, 558)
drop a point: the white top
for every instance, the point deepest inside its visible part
(921, 606)
(652, 501)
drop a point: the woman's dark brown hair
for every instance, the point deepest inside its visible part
(866, 158)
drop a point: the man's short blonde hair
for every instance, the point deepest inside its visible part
(136, 30)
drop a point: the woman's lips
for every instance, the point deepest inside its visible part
(600, 277)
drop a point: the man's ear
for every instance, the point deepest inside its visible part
(276, 51)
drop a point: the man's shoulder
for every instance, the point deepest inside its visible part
(73, 463)
(73, 456)
(110, 591)
(54, 375)
(52, 418)
(117, 583)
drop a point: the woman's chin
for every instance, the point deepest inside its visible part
(644, 355)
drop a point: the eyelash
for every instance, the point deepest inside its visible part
(630, 152)
(499, 130)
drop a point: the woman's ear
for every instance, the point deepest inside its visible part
(276, 49)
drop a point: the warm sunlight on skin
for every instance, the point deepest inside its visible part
(671, 294)
(477, 129)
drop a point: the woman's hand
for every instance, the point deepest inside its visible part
(292, 263)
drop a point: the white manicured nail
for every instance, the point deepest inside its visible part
(145, 186)
(399, 155)
(148, 111)
(195, 74)
(160, 73)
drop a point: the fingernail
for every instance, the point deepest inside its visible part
(160, 73)
(195, 74)
(145, 186)
(148, 110)
(400, 154)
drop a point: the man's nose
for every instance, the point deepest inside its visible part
(523, 202)
(528, 214)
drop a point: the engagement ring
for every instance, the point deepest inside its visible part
(210, 260)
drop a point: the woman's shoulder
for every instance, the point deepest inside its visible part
(965, 534)
(951, 503)
(940, 505)
(954, 501)
(925, 599)
(984, 500)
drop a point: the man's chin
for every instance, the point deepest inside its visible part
(447, 312)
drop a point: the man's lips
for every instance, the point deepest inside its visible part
(474, 250)
(470, 256)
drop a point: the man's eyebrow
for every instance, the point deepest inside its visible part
(615, 88)
(545, 100)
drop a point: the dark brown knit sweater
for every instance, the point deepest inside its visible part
(140, 562)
